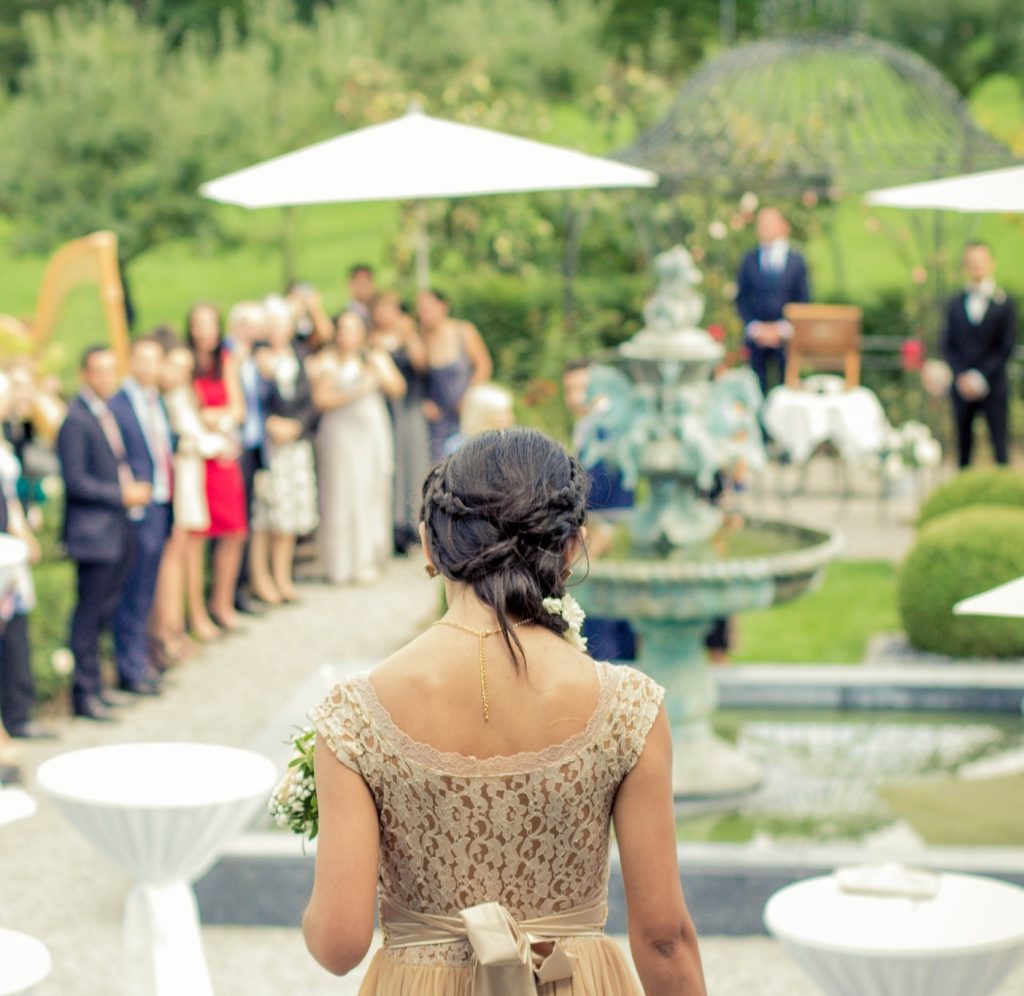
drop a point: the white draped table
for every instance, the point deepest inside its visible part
(824, 411)
(24, 961)
(161, 811)
(962, 942)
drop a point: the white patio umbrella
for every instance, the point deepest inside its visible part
(999, 190)
(416, 157)
(1005, 600)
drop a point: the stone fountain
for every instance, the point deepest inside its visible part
(663, 418)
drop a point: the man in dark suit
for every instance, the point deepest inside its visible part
(771, 276)
(99, 492)
(146, 434)
(977, 343)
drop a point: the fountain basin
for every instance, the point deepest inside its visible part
(672, 599)
(760, 565)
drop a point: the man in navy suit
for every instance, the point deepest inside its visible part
(99, 492)
(146, 434)
(771, 276)
(977, 343)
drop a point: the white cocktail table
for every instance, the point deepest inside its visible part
(161, 811)
(962, 942)
(15, 804)
(24, 962)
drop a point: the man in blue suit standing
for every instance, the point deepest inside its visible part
(771, 276)
(99, 492)
(146, 433)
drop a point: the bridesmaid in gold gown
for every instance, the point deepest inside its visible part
(468, 784)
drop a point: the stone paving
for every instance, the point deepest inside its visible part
(54, 886)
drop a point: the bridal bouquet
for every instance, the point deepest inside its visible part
(293, 803)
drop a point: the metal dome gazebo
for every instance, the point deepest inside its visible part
(827, 113)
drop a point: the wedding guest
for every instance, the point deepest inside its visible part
(457, 358)
(607, 500)
(17, 685)
(485, 406)
(222, 410)
(423, 817)
(313, 326)
(10, 771)
(193, 445)
(362, 289)
(395, 332)
(34, 417)
(977, 343)
(247, 329)
(354, 453)
(286, 501)
(144, 428)
(771, 276)
(99, 493)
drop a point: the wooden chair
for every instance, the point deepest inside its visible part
(825, 337)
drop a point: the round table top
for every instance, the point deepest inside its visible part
(968, 914)
(24, 962)
(157, 775)
(15, 805)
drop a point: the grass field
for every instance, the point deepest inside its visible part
(829, 626)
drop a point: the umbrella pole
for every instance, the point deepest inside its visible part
(422, 245)
(288, 244)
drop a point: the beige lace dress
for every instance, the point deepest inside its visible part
(530, 832)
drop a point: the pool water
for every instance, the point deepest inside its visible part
(939, 778)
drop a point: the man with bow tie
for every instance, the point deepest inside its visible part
(771, 276)
(977, 343)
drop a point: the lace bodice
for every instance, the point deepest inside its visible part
(530, 831)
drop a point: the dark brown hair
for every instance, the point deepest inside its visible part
(501, 514)
(216, 368)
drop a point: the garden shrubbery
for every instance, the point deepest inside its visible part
(978, 486)
(959, 554)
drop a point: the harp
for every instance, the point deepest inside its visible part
(91, 260)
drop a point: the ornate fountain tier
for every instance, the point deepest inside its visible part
(664, 423)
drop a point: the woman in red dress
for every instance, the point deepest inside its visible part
(222, 408)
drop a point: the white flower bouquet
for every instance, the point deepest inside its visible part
(293, 804)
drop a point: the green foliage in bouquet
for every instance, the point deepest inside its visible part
(293, 804)
(958, 555)
(980, 486)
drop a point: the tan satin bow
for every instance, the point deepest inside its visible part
(506, 962)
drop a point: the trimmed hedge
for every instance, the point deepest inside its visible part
(980, 486)
(960, 554)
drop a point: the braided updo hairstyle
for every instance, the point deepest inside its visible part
(501, 513)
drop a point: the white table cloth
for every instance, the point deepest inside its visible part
(15, 805)
(24, 962)
(824, 411)
(961, 943)
(162, 812)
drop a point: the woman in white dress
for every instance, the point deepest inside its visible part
(286, 502)
(354, 452)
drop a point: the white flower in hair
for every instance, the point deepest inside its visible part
(572, 612)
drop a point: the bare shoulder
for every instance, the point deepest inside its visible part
(407, 668)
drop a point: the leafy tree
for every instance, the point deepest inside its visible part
(13, 45)
(966, 39)
(97, 138)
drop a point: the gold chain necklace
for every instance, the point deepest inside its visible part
(481, 635)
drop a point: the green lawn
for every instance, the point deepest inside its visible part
(829, 626)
